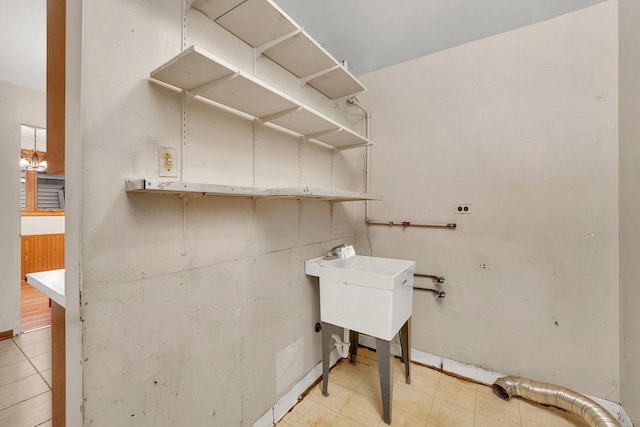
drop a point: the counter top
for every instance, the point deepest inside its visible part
(50, 283)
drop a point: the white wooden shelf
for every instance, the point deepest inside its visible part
(302, 193)
(267, 28)
(203, 74)
(215, 8)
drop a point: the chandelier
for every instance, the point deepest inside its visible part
(33, 160)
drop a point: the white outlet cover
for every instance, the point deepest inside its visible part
(167, 162)
(462, 208)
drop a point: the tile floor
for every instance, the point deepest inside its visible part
(433, 399)
(25, 380)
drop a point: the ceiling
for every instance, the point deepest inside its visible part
(374, 34)
(370, 34)
(23, 42)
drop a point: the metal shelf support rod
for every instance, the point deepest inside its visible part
(406, 224)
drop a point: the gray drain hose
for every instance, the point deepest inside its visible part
(549, 394)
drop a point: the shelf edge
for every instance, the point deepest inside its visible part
(303, 193)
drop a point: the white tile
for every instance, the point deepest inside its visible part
(31, 412)
(15, 372)
(33, 336)
(36, 348)
(47, 376)
(6, 345)
(21, 390)
(11, 356)
(42, 362)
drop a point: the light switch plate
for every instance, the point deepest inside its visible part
(167, 162)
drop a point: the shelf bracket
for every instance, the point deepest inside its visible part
(260, 49)
(310, 77)
(349, 147)
(187, 5)
(275, 116)
(188, 97)
(210, 85)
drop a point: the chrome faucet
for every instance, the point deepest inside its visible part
(333, 254)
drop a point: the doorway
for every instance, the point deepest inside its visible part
(42, 224)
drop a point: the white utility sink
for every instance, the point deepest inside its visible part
(371, 295)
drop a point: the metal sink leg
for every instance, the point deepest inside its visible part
(327, 346)
(353, 348)
(405, 344)
(385, 370)
(385, 361)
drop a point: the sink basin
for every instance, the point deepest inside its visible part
(371, 295)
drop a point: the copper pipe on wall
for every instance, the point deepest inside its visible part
(437, 279)
(550, 394)
(406, 224)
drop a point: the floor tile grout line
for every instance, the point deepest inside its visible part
(20, 379)
(34, 366)
(34, 342)
(433, 401)
(13, 363)
(21, 345)
(43, 423)
(25, 400)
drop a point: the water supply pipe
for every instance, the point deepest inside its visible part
(437, 279)
(549, 394)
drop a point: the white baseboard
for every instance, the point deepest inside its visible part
(288, 401)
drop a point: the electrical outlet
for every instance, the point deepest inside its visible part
(167, 162)
(462, 208)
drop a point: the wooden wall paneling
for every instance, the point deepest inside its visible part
(42, 252)
(31, 190)
(56, 53)
(35, 308)
(58, 371)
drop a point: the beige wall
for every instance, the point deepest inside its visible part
(184, 325)
(629, 207)
(187, 324)
(17, 105)
(522, 126)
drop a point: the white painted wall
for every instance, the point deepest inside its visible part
(42, 225)
(629, 208)
(185, 325)
(17, 105)
(523, 126)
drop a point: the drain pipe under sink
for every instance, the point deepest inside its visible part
(342, 345)
(549, 394)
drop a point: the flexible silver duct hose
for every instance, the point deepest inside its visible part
(549, 394)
